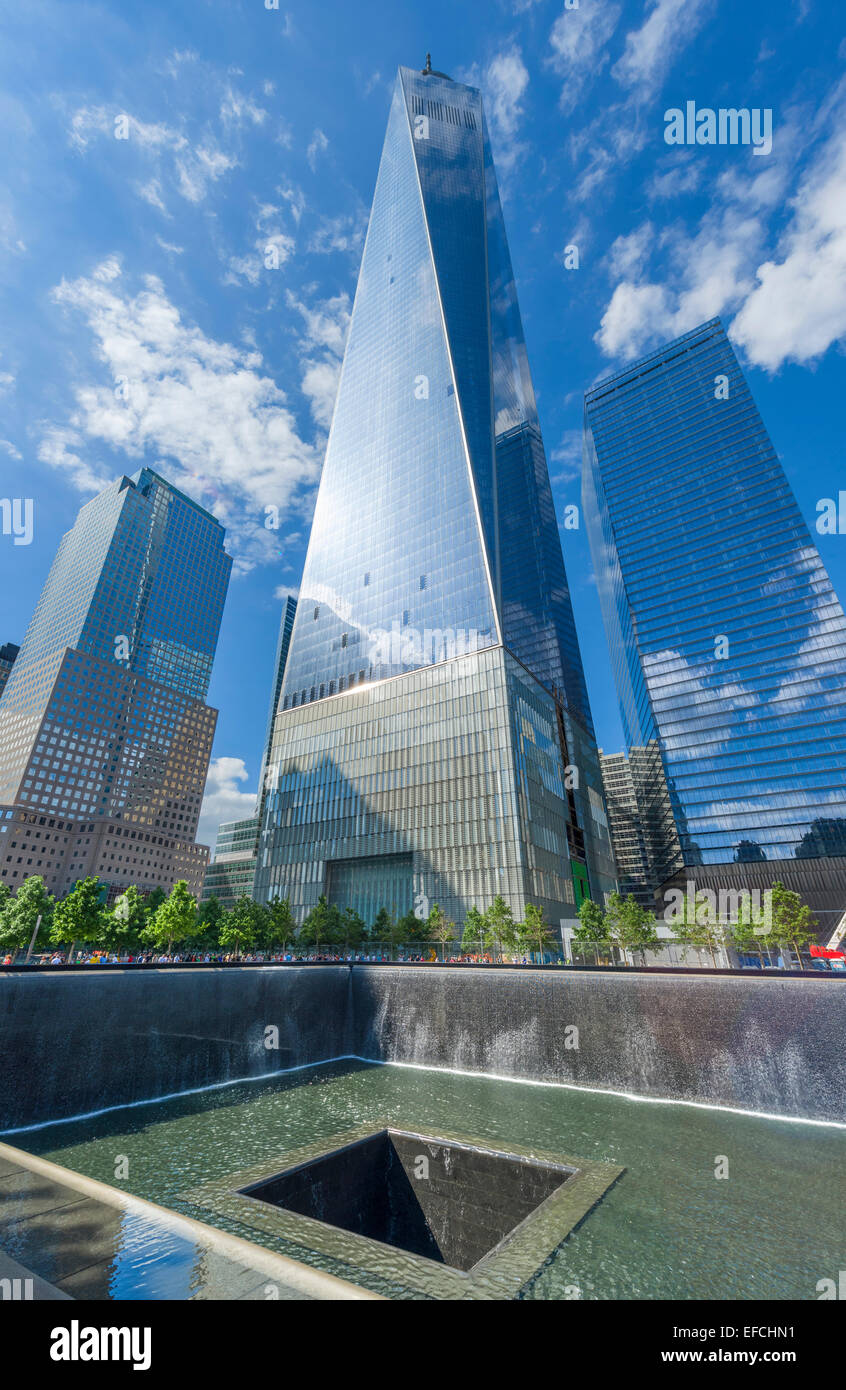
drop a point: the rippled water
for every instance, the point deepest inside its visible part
(668, 1229)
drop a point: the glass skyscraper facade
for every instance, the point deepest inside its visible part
(8, 656)
(105, 736)
(433, 740)
(727, 640)
(231, 874)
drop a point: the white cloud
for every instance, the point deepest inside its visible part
(295, 198)
(236, 109)
(504, 83)
(578, 41)
(320, 385)
(651, 49)
(195, 165)
(326, 325)
(786, 288)
(58, 449)
(566, 460)
(8, 447)
(798, 307)
(151, 192)
(200, 409)
(319, 144)
(223, 800)
(342, 233)
(682, 177)
(628, 253)
(635, 313)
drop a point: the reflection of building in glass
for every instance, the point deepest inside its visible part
(232, 871)
(8, 653)
(727, 640)
(231, 874)
(640, 819)
(434, 696)
(105, 736)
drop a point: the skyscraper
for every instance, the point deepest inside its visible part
(434, 741)
(640, 821)
(105, 736)
(727, 640)
(8, 656)
(232, 871)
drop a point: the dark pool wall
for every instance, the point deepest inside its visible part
(80, 1041)
(758, 1043)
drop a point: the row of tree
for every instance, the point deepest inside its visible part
(158, 922)
(785, 921)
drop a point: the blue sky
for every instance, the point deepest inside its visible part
(250, 126)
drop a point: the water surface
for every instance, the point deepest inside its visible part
(669, 1228)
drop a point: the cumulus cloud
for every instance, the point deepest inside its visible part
(786, 285)
(504, 82)
(203, 411)
(635, 314)
(326, 325)
(223, 799)
(798, 306)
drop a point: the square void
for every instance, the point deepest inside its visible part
(446, 1201)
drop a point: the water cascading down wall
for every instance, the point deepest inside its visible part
(78, 1041)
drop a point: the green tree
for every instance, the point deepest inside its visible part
(174, 920)
(792, 922)
(79, 917)
(698, 925)
(630, 925)
(473, 936)
(210, 915)
(19, 914)
(382, 925)
(241, 925)
(439, 928)
(322, 926)
(282, 927)
(593, 932)
(533, 933)
(500, 930)
(153, 902)
(123, 926)
(409, 928)
(352, 928)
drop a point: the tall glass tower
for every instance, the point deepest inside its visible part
(433, 741)
(105, 736)
(727, 640)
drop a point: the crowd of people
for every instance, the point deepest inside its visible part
(372, 956)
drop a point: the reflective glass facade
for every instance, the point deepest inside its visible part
(8, 653)
(727, 640)
(104, 731)
(232, 872)
(434, 541)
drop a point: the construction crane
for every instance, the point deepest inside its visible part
(839, 934)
